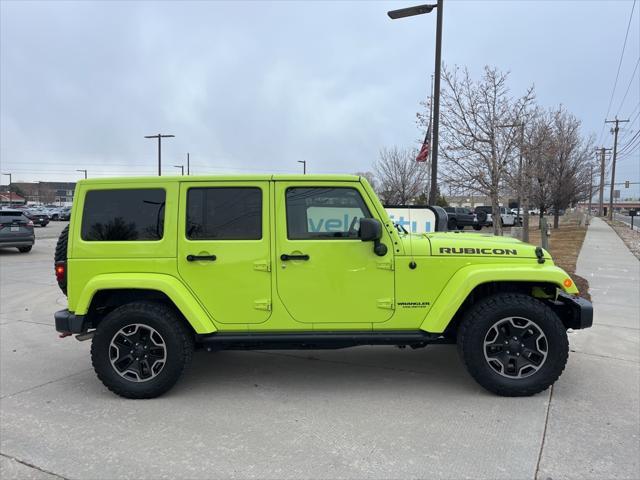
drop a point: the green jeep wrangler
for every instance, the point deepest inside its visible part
(157, 267)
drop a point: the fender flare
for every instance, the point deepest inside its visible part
(467, 278)
(173, 288)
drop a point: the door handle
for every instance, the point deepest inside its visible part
(195, 258)
(284, 257)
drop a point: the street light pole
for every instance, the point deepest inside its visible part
(159, 137)
(85, 172)
(410, 12)
(181, 167)
(10, 192)
(188, 168)
(304, 166)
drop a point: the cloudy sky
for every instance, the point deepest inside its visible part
(257, 86)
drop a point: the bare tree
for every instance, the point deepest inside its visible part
(476, 147)
(558, 161)
(400, 178)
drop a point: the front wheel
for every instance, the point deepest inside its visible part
(477, 227)
(140, 350)
(25, 249)
(513, 345)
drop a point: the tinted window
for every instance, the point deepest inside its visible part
(318, 213)
(123, 215)
(223, 213)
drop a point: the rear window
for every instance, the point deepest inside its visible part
(224, 213)
(8, 217)
(123, 215)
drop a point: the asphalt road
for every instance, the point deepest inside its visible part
(367, 412)
(627, 219)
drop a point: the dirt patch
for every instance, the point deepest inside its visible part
(565, 244)
(631, 238)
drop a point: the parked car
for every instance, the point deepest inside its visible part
(508, 219)
(65, 214)
(155, 267)
(460, 217)
(16, 230)
(38, 218)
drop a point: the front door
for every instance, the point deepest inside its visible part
(325, 273)
(223, 252)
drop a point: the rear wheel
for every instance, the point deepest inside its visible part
(513, 345)
(477, 227)
(140, 350)
(25, 249)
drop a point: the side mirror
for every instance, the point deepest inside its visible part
(371, 231)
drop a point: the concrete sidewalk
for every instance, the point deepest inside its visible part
(593, 426)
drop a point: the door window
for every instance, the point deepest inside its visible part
(324, 213)
(224, 213)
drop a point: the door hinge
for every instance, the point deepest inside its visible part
(386, 303)
(262, 305)
(385, 265)
(262, 265)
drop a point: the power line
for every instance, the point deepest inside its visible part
(633, 75)
(615, 84)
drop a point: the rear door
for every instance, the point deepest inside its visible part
(223, 248)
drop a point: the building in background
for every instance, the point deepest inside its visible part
(46, 193)
(10, 199)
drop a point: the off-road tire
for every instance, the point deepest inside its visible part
(60, 254)
(482, 316)
(177, 337)
(25, 249)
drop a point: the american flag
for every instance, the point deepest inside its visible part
(423, 155)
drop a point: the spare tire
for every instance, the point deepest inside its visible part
(481, 215)
(60, 254)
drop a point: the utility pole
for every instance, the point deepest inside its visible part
(601, 186)
(304, 166)
(85, 172)
(181, 167)
(188, 168)
(10, 192)
(590, 188)
(433, 193)
(613, 163)
(159, 137)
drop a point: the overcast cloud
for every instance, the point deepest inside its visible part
(256, 86)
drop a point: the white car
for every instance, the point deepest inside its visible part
(508, 219)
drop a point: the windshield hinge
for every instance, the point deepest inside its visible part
(262, 265)
(262, 305)
(386, 303)
(385, 265)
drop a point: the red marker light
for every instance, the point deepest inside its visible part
(60, 271)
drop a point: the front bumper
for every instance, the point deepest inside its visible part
(575, 312)
(68, 322)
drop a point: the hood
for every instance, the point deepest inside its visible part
(478, 245)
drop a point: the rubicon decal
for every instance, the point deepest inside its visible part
(478, 251)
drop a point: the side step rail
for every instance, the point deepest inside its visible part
(317, 340)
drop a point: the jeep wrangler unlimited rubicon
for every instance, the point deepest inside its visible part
(156, 267)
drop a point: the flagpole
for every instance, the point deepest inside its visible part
(430, 126)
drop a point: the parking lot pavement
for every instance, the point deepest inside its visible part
(367, 412)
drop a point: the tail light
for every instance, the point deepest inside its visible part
(30, 223)
(61, 272)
